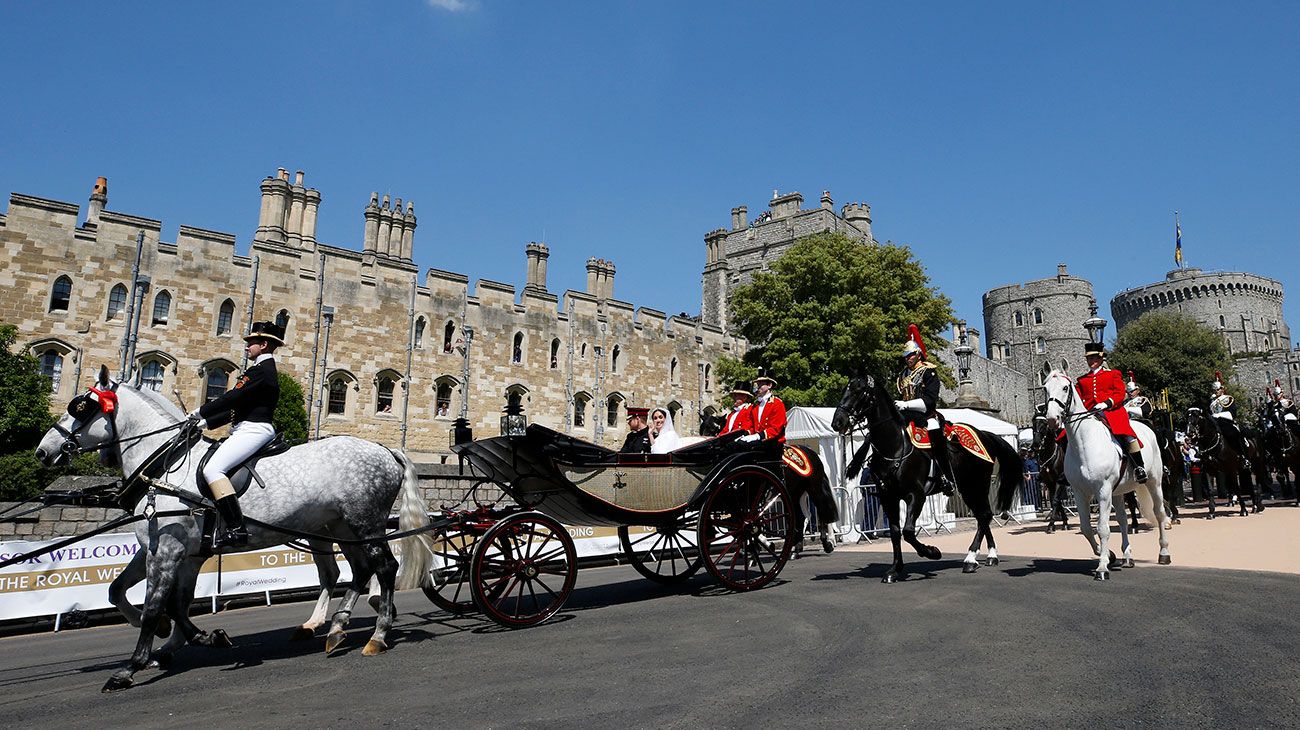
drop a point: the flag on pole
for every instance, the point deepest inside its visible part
(1178, 242)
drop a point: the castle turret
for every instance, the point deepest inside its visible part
(784, 206)
(371, 242)
(858, 215)
(98, 199)
(537, 254)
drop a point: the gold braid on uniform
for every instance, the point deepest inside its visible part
(907, 384)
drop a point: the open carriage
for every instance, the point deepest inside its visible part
(704, 505)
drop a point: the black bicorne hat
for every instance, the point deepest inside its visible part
(266, 331)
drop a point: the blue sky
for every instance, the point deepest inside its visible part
(996, 139)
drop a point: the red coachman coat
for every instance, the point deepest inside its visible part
(1107, 386)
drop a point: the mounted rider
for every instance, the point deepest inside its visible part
(1103, 391)
(1283, 407)
(248, 407)
(1137, 404)
(741, 417)
(1224, 408)
(768, 412)
(918, 392)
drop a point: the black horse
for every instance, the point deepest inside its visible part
(1220, 458)
(815, 484)
(1049, 454)
(1281, 445)
(903, 471)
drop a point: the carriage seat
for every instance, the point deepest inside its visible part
(243, 475)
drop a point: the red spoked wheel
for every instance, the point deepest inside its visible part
(523, 569)
(747, 529)
(665, 554)
(448, 582)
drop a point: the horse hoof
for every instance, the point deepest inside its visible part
(969, 567)
(932, 553)
(219, 639)
(333, 640)
(1050, 529)
(302, 633)
(1164, 560)
(1127, 563)
(991, 561)
(828, 546)
(891, 578)
(374, 647)
(164, 628)
(1177, 521)
(118, 682)
(1100, 575)
(159, 661)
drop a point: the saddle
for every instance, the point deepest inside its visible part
(242, 476)
(964, 434)
(796, 461)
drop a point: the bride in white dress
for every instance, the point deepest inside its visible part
(663, 437)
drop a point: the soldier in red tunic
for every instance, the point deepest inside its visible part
(768, 413)
(1103, 391)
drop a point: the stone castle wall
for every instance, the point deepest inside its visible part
(1245, 308)
(645, 357)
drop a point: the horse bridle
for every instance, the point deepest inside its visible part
(1218, 434)
(83, 409)
(860, 424)
(1066, 417)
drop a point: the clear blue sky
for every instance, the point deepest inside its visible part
(994, 138)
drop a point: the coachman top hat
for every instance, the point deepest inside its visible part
(1094, 348)
(741, 389)
(763, 377)
(266, 331)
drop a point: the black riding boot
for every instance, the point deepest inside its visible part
(939, 452)
(1139, 469)
(234, 534)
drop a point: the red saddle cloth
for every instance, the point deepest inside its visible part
(965, 436)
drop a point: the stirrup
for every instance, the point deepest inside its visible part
(230, 538)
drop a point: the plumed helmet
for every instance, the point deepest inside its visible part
(1132, 386)
(914, 343)
(1218, 380)
(1277, 387)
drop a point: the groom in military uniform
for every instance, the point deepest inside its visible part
(637, 440)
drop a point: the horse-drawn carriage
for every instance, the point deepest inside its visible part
(708, 504)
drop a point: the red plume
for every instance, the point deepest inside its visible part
(1277, 382)
(1130, 375)
(914, 334)
(1218, 376)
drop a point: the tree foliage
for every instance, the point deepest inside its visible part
(290, 417)
(831, 305)
(728, 373)
(1174, 351)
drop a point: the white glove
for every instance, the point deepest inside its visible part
(750, 437)
(916, 404)
(900, 405)
(195, 418)
(1099, 407)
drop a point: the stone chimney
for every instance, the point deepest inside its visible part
(397, 231)
(297, 204)
(607, 279)
(310, 207)
(98, 199)
(372, 225)
(385, 226)
(827, 204)
(274, 212)
(973, 339)
(1060, 272)
(593, 277)
(784, 206)
(739, 217)
(537, 254)
(408, 234)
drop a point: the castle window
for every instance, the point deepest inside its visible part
(116, 301)
(282, 318)
(1222, 322)
(517, 353)
(584, 351)
(215, 383)
(555, 353)
(442, 401)
(338, 400)
(448, 332)
(613, 359)
(708, 377)
(384, 385)
(580, 402)
(52, 368)
(611, 410)
(1038, 316)
(672, 372)
(151, 376)
(419, 332)
(61, 294)
(1040, 345)
(1019, 319)
(225, 317)
(673, 409)
(162, 307)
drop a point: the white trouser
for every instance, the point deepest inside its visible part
(245, 439)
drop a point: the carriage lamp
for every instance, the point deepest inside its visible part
(963, 351)
(460, 432)
(513, 420)
(1094, 324)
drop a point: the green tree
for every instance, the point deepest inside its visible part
(830, 305)
(290, 417)
(726, 374)
(1174, 351)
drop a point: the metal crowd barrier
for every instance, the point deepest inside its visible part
(862, 518)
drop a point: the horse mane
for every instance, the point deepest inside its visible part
(156, 401)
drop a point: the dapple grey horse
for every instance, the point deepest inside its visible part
(341, 487)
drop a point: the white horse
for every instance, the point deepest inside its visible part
(1093, 468)
(341, 488)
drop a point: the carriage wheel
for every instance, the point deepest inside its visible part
(448, 585)
(668, 555)
(523, 569)
(747, 529)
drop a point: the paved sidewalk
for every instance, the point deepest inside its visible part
(1269, 541)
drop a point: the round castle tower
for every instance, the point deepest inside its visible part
(1245, 308)
(1032, 327)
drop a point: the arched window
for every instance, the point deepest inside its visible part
(555, 353)
(52, 368)
(1040, 345)
(672, 372)
(151, 376)
(448, 332)
(216, 383)
(225, 317)
(613, 358)
(517, 350)
(1038, 316)
(162, 307)
(419, 332)
(442, 397)
(282, 318)
(584, 351)
(1019, 320)
(61, 294)
(580, 402)
(673, 409)
(338, 400)
(384, 384)
(1222, 322)
(116, 301)
(611, 410)
(708, 377)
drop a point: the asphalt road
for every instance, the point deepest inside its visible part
(1025, 644)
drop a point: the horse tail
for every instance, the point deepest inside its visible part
(1011, 469)
(414, 551)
